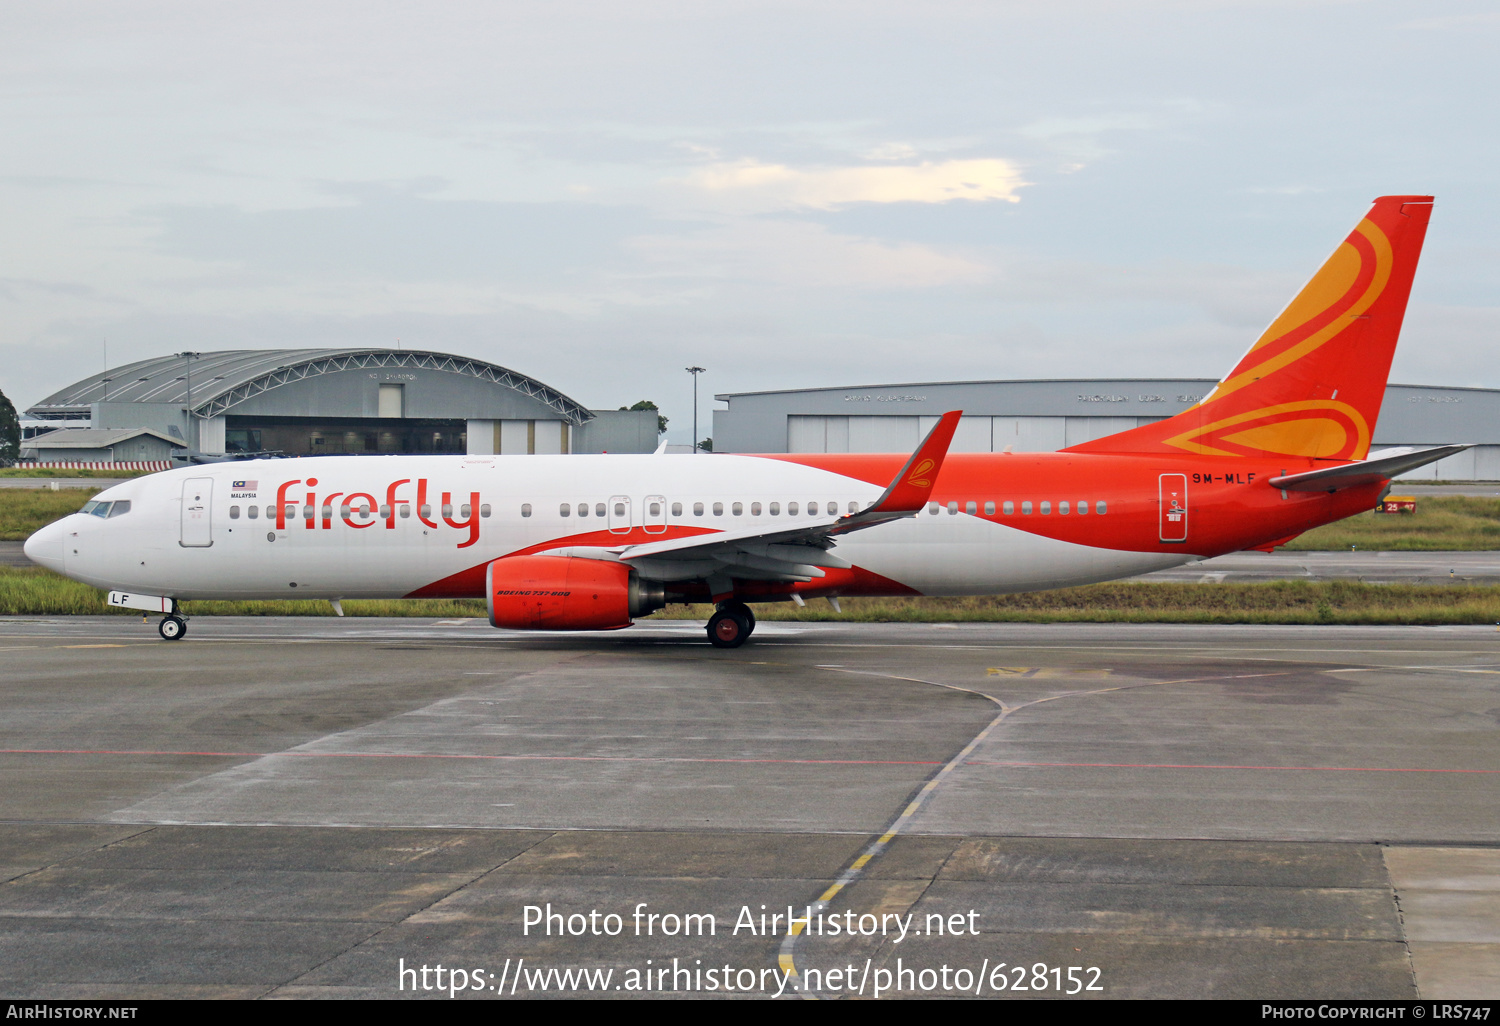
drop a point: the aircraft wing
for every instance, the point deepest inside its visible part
(1380, 466)
(794, 553)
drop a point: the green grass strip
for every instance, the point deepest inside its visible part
(24, 511)
(62, 472)
(38, 592)
(1447, 523)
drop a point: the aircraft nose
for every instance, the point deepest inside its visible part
(46, 547)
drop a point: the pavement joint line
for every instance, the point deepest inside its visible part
(440, 755)
(1206, 766)
(145, 829)
(786, 959)
(542, 837)
(1411, 962)
(786, 956)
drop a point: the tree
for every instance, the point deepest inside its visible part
(10, 430)
(707, 445)
(647, 404)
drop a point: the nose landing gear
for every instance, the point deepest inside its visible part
(731, 626)
(172, 627)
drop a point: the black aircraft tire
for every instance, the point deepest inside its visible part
(728, 628)
(744, 612)
(172, 628)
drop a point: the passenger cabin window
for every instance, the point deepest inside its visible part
(989, 509)
(254, 512)
(755, 509)
(697, 509)
(971, 507)
(234, 512)
(565, 510)
(1046, 507)
(1062, 508)
(619, 509)
(405, 512)
(1083, 507)
(426, 510)
(738, 509)
(1009, 508)
(599, 509)
(933, 508)
(654, 508)
(583, 509)
(791, 509)
(1100, 508)
(1026, 508)
(775, 509)
(812, 509)
(953, 509)
(718, 509)
(485, 510)
(677, 509)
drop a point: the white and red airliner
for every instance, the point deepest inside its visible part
(1281, 445)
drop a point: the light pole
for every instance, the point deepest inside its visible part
(695, 371)
(188, 406)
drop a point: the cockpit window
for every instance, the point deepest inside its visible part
(106, 509)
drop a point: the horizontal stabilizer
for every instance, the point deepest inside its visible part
(1382, 465)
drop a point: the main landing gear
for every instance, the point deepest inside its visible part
(731, 625)
(172, 627)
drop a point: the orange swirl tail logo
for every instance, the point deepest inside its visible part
(918, 477)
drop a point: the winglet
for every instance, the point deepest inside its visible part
(910, 489)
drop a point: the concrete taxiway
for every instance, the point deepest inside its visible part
(279, 807)
(1254, 567)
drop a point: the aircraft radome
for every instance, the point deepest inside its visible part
(567, 543)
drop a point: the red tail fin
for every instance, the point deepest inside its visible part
(1313, 384)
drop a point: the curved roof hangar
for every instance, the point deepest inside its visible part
(244, 380)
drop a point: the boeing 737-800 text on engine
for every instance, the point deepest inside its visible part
(1281, 445)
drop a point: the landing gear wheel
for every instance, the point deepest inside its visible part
(172, 627)
(728, 628)
(743, 611)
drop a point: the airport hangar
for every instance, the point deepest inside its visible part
(303, 402)
(1044, 416)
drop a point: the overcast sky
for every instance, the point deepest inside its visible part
(792, 195)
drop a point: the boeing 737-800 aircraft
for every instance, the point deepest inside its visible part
(1279, 446)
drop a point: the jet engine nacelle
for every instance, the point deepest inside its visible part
(566, 593)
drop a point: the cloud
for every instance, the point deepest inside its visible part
(393, 236)
(751, 185)
(799, 255)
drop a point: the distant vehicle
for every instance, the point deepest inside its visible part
(571, 543)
